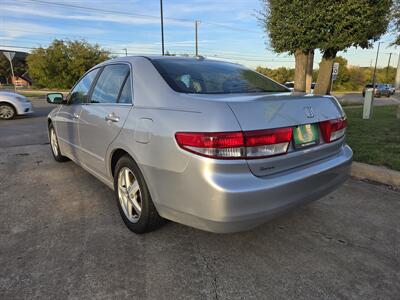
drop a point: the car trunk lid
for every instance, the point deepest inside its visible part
(278, 111)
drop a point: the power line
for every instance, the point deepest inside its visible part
(104, 10)
(133, 53)
(234, 28)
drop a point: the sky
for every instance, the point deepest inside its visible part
(228, 30)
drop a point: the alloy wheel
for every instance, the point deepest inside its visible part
(53, 141)
(6, 112)
(129, 194)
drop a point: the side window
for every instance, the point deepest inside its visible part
(126, 93)
(109, 84)
(80, 92)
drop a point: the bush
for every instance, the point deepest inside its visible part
(61, 64)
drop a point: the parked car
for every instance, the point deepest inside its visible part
(380, 90)
(391, 88)
(12, 104)
(290, 86)
(205, 143)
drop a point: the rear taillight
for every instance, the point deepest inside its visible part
(263, 143)
(228, 145)
(333, 130)
(236, 145)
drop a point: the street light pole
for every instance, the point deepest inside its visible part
(387, 70)
(162, 27)
(196, 26)
(374, 78)
(397, 82)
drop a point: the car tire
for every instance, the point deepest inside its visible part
(55, 147)
(7, 111)
(132, 193)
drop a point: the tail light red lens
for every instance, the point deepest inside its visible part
(269, 142)
(333, 130)
(236, 145)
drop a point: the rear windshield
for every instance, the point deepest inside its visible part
(199, 76)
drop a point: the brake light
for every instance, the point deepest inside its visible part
(269, 142)
(217, 145)
(333, 130)
(236, 145)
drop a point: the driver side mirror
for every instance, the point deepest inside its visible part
(55, 98)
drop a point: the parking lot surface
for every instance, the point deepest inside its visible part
(61, 237)
(356, 98)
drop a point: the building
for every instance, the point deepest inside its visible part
(21, 77)
(22, 80)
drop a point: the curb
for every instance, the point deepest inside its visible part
(376, 173)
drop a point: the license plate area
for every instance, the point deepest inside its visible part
(305, 135)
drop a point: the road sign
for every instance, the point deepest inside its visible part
(335, 71)
(9, 55)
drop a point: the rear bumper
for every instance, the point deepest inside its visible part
(220, 202)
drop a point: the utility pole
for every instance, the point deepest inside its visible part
(374, 78)
(387, 70)
(196, 26)
(397, 83)
(126, 51)
(162, 27)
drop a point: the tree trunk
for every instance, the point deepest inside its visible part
(300, 71)
(309, 71)
(323, 85)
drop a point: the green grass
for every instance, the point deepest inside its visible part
(375, 141)
(28, 94)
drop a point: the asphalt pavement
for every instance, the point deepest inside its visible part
(61, 237)
(356, 98)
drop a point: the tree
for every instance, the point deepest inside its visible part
(396, 21)
(290, 25)
(344, 24)
(280, 75)
(62, 63)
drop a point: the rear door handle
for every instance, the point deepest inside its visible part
(112, 118)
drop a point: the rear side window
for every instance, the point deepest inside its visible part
(126, 93)
(80, 92)
(109, 84)
(199, 76)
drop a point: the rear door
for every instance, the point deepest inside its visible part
(103, 117)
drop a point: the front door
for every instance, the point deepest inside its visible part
(68, 118)
(103, 117)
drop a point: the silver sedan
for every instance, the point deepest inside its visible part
(205, 143)
(13, 104)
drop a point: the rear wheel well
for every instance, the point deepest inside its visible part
(115, 157)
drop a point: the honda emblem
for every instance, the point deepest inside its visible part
(309, 111)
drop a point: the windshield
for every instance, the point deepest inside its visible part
(199, 76)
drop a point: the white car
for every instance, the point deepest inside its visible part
(12, 104)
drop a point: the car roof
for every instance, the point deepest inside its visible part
(165, 57)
